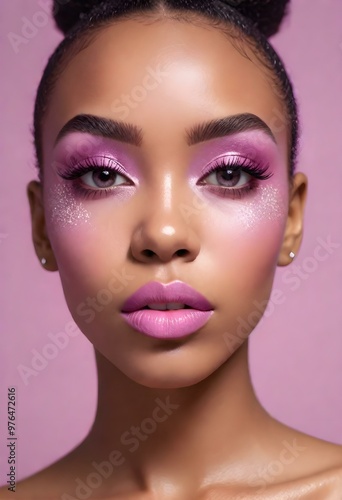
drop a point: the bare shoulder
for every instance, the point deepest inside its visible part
(35, 487)
(70, 478)
(296, 466)
(303, 466)
(315, 456)
(320, 472)
(53, 480)
(286, 465)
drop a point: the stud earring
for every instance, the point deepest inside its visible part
(292, 255)
(43, 261)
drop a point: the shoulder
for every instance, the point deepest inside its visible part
(54, 479)
(295, 466)
(314, 456)
(34, 487)
(323, 485)
(303, 467)
(287, 465)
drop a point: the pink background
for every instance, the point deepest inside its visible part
(295, 353)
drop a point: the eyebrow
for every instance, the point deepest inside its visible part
(227, 126)
(131, 134)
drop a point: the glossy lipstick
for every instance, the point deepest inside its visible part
(166, 324)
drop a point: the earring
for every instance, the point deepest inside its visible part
(292, 255)
(43, 261)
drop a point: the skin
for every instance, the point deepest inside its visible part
(216, 441)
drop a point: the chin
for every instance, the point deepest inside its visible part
(158, 381)
(172, 369)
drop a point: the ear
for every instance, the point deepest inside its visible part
(40, 238)
(294, 227)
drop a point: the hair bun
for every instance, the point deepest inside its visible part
(266, 15)
(68, 12)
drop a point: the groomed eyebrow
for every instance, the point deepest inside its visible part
(103, 127)
(131, 134)
(227, 126)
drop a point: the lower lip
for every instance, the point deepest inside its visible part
(167, 324)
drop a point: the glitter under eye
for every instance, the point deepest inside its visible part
(270, 206)
(64, 209)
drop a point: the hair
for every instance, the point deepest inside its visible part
(246, 21)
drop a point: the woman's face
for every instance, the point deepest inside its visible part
(162, 215)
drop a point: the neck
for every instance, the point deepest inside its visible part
(164, 432)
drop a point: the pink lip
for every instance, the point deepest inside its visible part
(167, 324)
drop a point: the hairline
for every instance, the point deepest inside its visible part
(83, 35)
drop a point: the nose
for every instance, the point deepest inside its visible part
(163, 233)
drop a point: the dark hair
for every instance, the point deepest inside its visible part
(252, 20)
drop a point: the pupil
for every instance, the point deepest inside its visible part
(230, 177)
(104, 178)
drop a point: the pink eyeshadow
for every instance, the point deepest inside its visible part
(78, 147)
(254, 145)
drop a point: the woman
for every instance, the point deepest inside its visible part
(168, 196)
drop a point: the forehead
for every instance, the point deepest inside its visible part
(164, 76)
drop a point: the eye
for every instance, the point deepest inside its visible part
(103, 178)
(228, 177)
(235, 173)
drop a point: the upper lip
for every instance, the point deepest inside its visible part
(156, 292)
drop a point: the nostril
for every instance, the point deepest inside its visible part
(181, 252)
(148, 253)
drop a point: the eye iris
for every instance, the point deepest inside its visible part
(229, 177)
(104, 178)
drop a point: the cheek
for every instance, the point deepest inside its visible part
(63, 210)
(244, 239)
(87, 245)
(264, 214)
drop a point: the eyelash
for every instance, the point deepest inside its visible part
(76, 170)
(236, 163)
